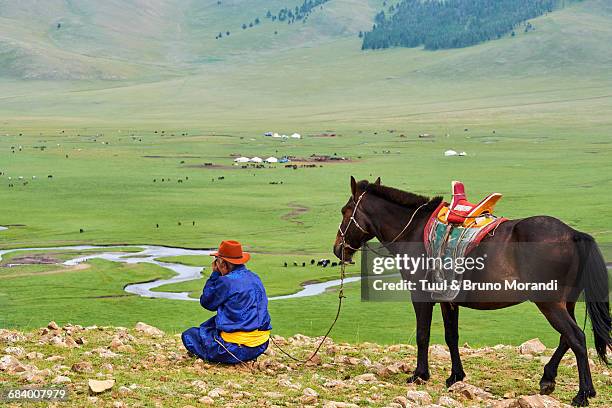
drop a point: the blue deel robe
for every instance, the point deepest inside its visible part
(240, 300)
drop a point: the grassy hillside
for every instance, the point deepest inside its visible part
(152, 369)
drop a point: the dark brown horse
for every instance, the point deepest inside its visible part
(575, 262)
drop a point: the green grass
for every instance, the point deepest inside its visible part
(278, 279)
(63, 255)
(536, 108)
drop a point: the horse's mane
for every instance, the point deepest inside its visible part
(399, 197)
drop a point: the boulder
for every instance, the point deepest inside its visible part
(506, 403)
(364, 378)
(469, 391)
(439, 351)
(16, 351)
(206, 400)
(273, 395)
(339, 404)
(82, 367)
(448, 402)
(53, 326)
(61, 379)
(148, 329)
(533, 346)
(538, 401)
(419, 397)
(99, 386)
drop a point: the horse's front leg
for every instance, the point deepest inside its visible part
(450, 315)
(423, 312)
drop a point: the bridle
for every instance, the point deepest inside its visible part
(353, 220)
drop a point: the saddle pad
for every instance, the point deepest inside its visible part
(447, 240)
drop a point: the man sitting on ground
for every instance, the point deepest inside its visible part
(240, 330)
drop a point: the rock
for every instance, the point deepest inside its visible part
(53, 326)
(70, 342)
(11, 364)
(232, 385)
(10, 336)
(55, 358)
(119, 404)
(507, 403)
(538, 401)
(401, 401)
(217, 392)
(273, 395)
(337, 404)
(115, 343)
(148, 330)
(533, 346)
(34, 355)
(448, 402)
(284, 382)
(206, 400)
(126, 348)
(438, 351)
(123, 390)
(61, 379)
(469, 391)
(364, 378)
(334, 384)
(107, 367)
(97, 386)
(308, 399)
(199, 384)
(310, 392)
(82, 367)
(16, 351)
(419, 397)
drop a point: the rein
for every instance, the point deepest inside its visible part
(341, 296)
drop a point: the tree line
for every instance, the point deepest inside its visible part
(438, 24)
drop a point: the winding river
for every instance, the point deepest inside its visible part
(184, 273)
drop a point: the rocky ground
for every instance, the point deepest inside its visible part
(143, 366)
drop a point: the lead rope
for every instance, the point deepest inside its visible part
(340, 297)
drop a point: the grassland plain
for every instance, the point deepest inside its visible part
(536, 109)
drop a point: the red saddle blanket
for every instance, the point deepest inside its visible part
(446, 239)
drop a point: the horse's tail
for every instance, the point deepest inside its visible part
(594, 276)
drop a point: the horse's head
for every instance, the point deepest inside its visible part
(353, 231)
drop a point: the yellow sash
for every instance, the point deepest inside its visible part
(250, 339)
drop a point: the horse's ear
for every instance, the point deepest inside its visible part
(377, 182)
(353, 186)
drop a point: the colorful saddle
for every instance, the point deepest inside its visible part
(456, 228)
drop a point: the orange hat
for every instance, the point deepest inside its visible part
(231, 251)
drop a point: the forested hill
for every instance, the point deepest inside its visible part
(438, 24)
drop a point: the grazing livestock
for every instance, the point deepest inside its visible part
(295, 263)
(193, 223)
(334, 264)
(303, 264)
(156, 225)
(312, 261)
(285, 264)
(81, 230)
(179, 180)
(179, 223)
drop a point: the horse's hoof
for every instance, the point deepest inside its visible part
(547, 387)
(416, 379)
(580, 400)
(453, 379)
